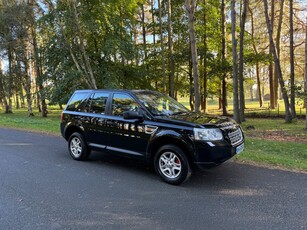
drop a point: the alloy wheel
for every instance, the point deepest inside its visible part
(170, 165)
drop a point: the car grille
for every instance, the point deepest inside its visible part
(227, 125)
(235, 136)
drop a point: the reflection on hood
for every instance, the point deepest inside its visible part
(202, 119)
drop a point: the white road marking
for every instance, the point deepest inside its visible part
(16, 144)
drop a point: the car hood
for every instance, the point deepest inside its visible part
(200, 119)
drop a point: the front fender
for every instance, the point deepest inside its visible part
(164, 137)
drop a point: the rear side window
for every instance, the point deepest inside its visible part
(98, 103)
(122, 103)
(76, 100)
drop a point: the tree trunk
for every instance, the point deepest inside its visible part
(153, 23)
(205, 75)
(236, 114)
(306, 72)
(192, 98)
(251, 93)
(224, 85)
(10, 80)
(162, 46)
(28, 84)
(278, 35)
(144, 32)
(2, 92)
(241, 62)
(190, 7)
(256, 52)
(1, 82)
(259, 86)
(170, 47)
(38, 69)
(271, 67)
(288, 117)
(292, 83)
(22, 98)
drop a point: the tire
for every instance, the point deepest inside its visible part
(77, 147)
(172, 165)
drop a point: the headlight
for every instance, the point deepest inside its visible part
(208, 134)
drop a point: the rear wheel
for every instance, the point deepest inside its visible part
(77, 147)
(172, 165)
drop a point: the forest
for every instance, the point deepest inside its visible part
(231, 51)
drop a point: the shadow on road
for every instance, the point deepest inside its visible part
(227, 175)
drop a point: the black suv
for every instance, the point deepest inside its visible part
(151, 126)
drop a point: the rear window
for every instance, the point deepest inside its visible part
(98, 103)
(76, 100)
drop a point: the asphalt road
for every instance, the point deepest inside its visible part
(41, 187)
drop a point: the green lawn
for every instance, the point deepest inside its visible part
(20, 120)
(288, 155)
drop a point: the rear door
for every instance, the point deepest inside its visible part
(96, 119)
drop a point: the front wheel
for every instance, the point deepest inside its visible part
(77, 147)
(172, 165)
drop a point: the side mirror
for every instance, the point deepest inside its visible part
(132, 115)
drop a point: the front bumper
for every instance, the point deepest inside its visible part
(210, 154)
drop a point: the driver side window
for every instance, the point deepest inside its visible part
(122, 103)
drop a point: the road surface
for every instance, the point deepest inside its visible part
(41, 187)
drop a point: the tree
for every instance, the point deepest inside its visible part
(16, 41)
(162, 47)
(37, 67)
(288, 117)
(190, 7)
(292, 84)
(306, 71)
(82, 65)
(2, 95)
(236, 114)
(241, 62)
(271, 67)
(170, 50)
(224, 75)
(203, 58)
(278, 37)
(86, 62)
(257, 54)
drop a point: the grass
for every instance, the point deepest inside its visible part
(287, 155)
(296, 128)
(20, 120)
(271, 142)
(274, 142)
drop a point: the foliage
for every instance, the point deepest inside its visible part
(119, 47)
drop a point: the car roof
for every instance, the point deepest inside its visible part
(115, 91)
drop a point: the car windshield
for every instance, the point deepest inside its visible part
(160, 104)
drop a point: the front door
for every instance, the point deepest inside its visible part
(125, 136)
